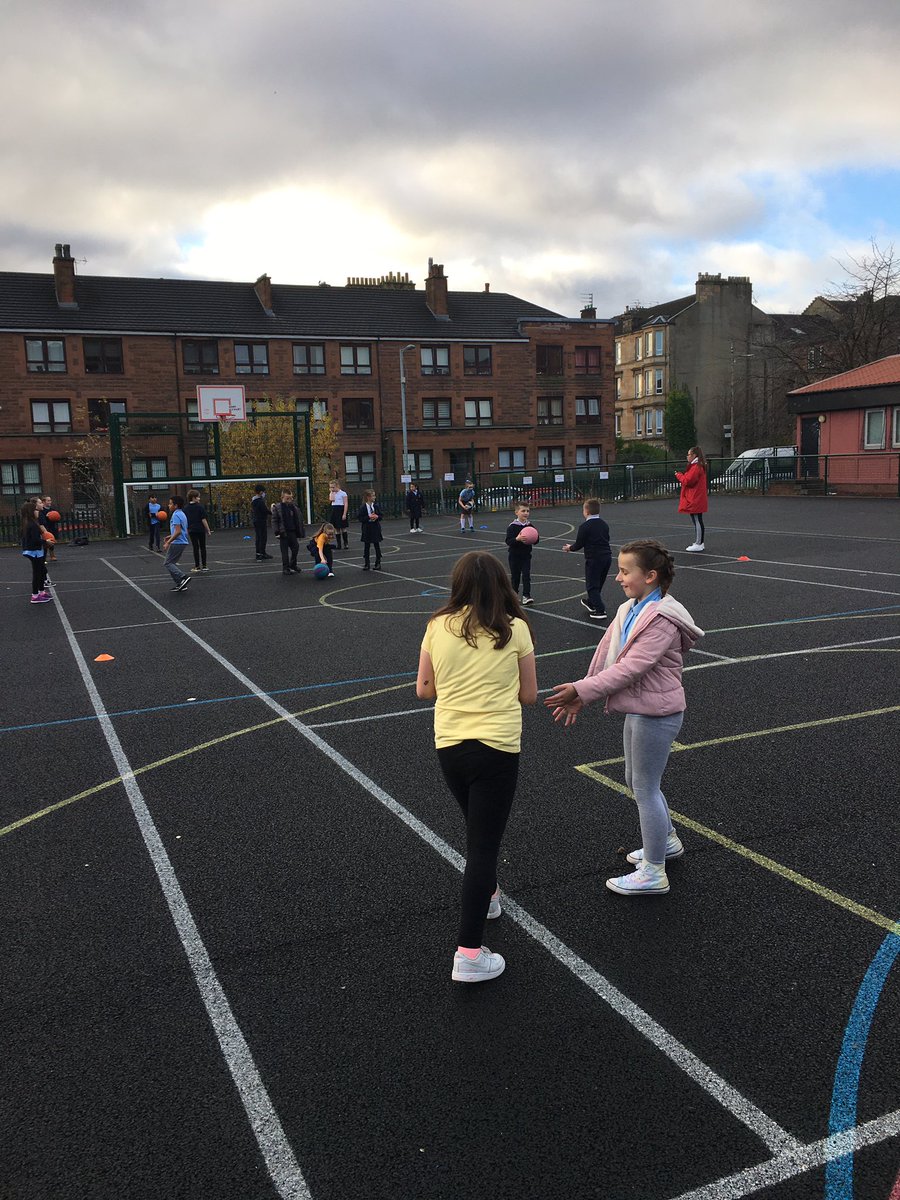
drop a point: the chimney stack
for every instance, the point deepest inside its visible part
(436, 291)
(263, 289)
(487, 287)
(589, 313)
(64, 276)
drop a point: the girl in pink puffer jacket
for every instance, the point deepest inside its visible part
(637, 667)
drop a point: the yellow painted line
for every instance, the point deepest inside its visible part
(218, 741)
(755, 733)
(170, 758)
(761, 860)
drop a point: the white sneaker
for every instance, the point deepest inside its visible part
(645, 881)
(477, 970)
(674, 849)
(692, 546)
(494, 909)
(696, 546)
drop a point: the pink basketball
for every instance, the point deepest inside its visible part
(529, 534)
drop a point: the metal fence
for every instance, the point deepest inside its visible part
(496, 492)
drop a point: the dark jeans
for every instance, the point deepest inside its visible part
(520, 570)
(367, 549)
(153, 542)
(483, 782)
(595, 573)
(328, 551)
(261, 530)
(198, 541)
(290, 544)
(38, 574)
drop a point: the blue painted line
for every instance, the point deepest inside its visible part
(839, 1171)
(136, 712)
(853, 612)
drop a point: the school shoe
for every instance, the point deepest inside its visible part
(477, 970)
(526, 600)
(584, 604)
(645, 881)
(695, 547)
(674, 849)
(40, 597)
(182, 584)
(596, 615)
(330, 575)
(204, 570)
(494, 909)
(196, 570)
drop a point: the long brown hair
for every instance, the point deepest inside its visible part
(29, 513)
(480, 587)
(696, 452)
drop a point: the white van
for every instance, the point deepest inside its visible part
(755, 467)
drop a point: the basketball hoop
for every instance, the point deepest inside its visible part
(224, 419)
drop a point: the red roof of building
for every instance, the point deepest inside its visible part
(874, 374)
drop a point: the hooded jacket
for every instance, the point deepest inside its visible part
(645, 675)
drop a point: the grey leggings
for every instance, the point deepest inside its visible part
(699, 528)
(648, 741)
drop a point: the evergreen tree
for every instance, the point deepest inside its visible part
(681, 433)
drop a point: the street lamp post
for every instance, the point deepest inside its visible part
(733, 357)
(411, 346)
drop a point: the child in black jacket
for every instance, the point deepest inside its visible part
(593, 539)
(520, 552)
(33, 550)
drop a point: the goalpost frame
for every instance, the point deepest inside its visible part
(204, 482)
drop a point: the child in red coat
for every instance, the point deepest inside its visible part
(694, 495)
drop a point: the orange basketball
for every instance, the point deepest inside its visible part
(53, 515)
(161, 515)
(48, 537)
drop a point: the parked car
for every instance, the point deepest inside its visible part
(755, 467)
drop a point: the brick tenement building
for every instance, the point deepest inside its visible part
(493, 382)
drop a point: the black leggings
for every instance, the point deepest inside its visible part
(699, 530)
(483, 781)
(38, 574)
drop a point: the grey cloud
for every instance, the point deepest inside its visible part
(587, 127)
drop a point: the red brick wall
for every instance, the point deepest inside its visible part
(153, 380)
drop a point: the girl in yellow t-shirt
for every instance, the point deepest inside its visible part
(477, 662)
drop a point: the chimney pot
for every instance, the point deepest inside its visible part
(487, 287)
(436, 291)
(64, 277)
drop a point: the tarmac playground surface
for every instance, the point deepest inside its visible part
(229, 876)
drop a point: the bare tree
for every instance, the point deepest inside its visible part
(866, 308)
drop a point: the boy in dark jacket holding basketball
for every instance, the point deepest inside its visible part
(593, 538)
(520, 551)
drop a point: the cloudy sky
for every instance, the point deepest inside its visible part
(555, 150)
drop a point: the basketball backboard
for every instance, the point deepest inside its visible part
(221, 402)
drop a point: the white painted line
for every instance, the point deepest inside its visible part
(267, 1129)
(744, 1110)
(749, 658)
(740, 572)
(798, 1161)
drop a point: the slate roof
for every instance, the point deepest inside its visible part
(884, 371)
(223, 309)
(802, 327)
(668, 309)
